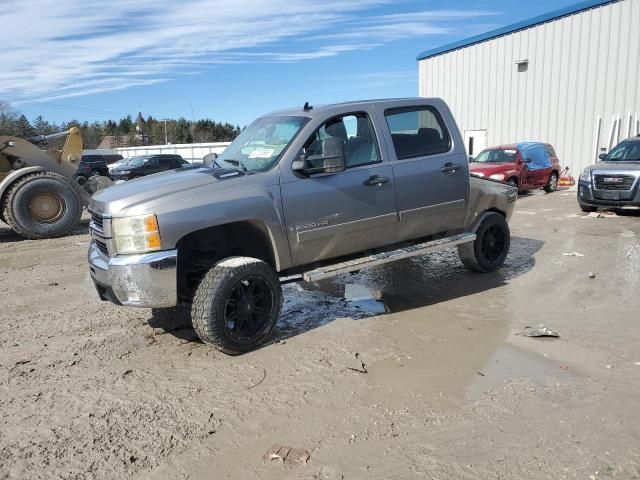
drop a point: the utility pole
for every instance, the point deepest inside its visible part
(166, 139)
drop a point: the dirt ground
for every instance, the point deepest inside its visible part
(448, 390)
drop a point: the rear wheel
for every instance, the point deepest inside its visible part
(491, 246)
(237, 304)
(552, 184)
(42, 205)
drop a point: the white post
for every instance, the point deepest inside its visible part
(629, 125)
(596, 146)
(612, 132)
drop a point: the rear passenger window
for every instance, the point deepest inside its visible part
(417, 132)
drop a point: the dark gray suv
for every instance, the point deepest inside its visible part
(612, 182)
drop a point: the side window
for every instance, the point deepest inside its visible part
(167, 162)
(356, 131)
(151, 163)
(417, 132)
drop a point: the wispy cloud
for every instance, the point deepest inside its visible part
(53, 49)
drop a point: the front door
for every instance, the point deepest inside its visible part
(432, 177)
(335, 214)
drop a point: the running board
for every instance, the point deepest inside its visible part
(386, 257)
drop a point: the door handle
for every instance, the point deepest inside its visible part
(450, 168)
(375, 180)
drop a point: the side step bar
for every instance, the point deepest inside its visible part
(386, 257)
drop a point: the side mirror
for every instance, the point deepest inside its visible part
(602, 156)
(210, 159)
(526, 160)
(330, 161)
(471, 159)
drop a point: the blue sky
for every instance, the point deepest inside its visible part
(230, 61)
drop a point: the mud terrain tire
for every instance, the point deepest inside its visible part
(237, 304)
(491, 246)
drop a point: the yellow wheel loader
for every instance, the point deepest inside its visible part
(39, 196)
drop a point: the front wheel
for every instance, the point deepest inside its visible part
(237, 304)
(491, 246)
(552, 184)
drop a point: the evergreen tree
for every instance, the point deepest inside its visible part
(23, 127)
(41, 126)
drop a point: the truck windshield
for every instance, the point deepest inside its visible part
(496, 156)
(625, 152)
(261, 144)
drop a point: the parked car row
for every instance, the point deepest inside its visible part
(613, 182)
(118, 168)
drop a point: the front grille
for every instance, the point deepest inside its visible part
(614, 182)
(97, 221)
(102, 247)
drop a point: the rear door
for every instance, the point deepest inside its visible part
(167, 163)
(430, 171)
(330, 215)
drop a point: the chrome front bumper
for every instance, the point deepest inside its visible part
(148, 280)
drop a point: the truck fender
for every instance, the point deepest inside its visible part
(480, 219)
(15, 175)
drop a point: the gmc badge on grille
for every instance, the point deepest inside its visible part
(612, 180)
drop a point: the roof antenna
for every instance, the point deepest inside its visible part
(307, 107)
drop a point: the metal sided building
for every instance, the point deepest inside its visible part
(570, 78)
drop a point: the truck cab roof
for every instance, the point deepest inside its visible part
(356, 105)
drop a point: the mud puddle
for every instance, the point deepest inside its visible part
(428, 349)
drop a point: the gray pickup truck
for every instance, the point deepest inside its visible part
(301, 194)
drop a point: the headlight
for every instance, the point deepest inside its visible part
(122, 172)
(139, 234)
(585, 176)
(477, 174)
(497, 176)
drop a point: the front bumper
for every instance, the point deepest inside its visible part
(588, 195)
(148, 280)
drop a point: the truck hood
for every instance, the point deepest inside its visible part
(487, 169)
(601, 166)
(155, 189)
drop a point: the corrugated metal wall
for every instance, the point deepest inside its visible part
(581, 67)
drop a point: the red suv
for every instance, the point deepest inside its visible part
(524, 165)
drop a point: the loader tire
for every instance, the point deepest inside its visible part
(237, 304)
(42, 205)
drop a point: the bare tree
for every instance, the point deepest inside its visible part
(8, 117)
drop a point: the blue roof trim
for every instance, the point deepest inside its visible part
(547, 17)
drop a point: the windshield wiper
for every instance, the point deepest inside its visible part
(236, 163)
